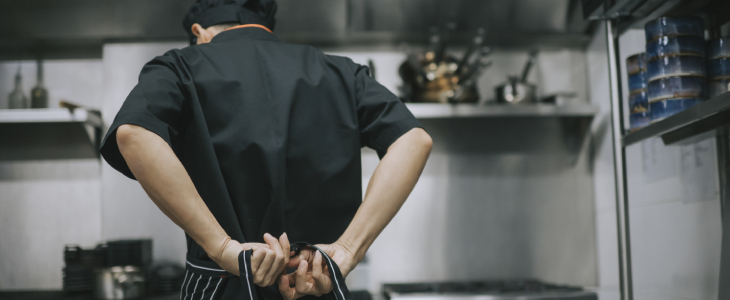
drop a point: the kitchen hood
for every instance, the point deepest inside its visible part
(80, 27)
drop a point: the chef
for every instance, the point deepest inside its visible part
(249, 144)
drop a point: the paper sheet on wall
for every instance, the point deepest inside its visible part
(659, 161)
(699, 172)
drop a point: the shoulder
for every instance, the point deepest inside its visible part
(344, 62)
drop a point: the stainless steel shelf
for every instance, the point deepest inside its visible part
(443, 111)
(539, 129)
(696, 123)
(51, 133)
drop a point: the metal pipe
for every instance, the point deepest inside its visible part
(619, 161)
(723, 163)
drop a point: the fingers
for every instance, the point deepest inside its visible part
(256, 258)
(286, 290)
(301, 284)
(306, 254)
(259, 278)
(285, 246)
(321, 281)
(278, 262)
(254, 246)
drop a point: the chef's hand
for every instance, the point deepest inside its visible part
(267, 261)
(312, 276)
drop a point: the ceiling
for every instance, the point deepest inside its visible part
(80, 27)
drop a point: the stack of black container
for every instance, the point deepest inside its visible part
(78, 272)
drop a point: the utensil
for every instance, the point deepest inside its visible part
(114, 283)
(517, 90)
(476, 44)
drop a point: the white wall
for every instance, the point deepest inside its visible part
(127, 212)
(485, 215)
(673, 200)
(46, 204)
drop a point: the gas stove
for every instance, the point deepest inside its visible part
(485, 290)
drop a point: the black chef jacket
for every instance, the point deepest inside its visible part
(269, 132)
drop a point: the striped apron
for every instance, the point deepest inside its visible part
(205, 280)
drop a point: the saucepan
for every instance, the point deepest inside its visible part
(119, 283)
(518, 90)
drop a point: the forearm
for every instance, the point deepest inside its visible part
(389, 187)
(168, 184)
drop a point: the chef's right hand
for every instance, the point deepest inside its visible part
(268, 260)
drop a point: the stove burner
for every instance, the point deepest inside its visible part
(497, 287)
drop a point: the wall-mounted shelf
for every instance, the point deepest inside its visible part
(696, 123)
(528, 129)
(49, 133)
(441, 111)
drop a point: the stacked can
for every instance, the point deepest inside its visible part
(638, 102)
(718, 66)
(676, 73)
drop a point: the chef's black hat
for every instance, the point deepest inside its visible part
(213, 12)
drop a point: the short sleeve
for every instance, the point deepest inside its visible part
(382, 116)
(156, 104)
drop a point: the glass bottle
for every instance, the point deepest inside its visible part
(17, 98)
(39, 94)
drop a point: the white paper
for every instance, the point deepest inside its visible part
(699, 172)
(659, 161)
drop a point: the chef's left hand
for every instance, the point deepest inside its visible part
(312, 276)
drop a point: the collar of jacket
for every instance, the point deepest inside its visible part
(256, 33)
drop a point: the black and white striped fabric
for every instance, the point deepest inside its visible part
(207, 281)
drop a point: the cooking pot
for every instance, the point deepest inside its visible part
(518, 90)
(118, 283)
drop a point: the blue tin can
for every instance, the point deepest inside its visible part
(638, 101)
(678, 65)
(663, 109)
(636, 63)
(670, 26)
(718, 69)
(675, 45)
(718, 48)
(677, 87)
(639, 120)
(718, 87)
(637, 82)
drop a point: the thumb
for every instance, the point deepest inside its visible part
(254, 246)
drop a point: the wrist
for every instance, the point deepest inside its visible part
(355, 248)
(217, 247)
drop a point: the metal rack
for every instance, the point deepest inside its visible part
(435, 110)
(49, 133)
(706, 120)
(544, 128)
